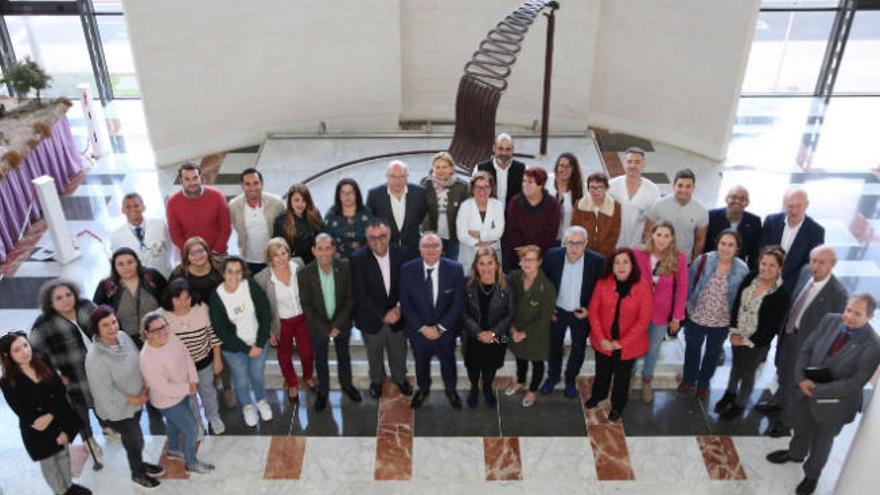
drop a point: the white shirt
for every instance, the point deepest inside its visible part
(287, 296)
(385, 268)
(435, 278)
(156, 250)
(814, 291)
(632, 210)
(501, 181)
(257, 233)
(788, 234)
(241, 311)
(565, 219)
(398, 207)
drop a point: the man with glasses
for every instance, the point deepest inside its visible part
(432, 301)
(574, 271)
(375, 270)
(735, 217)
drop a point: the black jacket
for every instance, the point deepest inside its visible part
(500, 311)
(771, 314)
(514, 176)
(379, 203)
(749, 230)
(368, 290)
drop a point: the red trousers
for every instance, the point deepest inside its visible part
(295, 328)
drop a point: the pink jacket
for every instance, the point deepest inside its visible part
(663, 300)
(168, 372)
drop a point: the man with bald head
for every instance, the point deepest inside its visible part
(735, 216)
(400, 203)
(796, 232)
(506, 171)
(817, 293)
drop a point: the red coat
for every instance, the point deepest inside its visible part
(635, 315)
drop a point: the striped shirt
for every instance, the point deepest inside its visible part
(195, 331)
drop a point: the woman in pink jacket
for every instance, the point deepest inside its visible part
(666, 269)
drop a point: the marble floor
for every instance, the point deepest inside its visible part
(676, 443)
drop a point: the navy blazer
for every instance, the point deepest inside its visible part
(415, 306)
(554, 262)
(368, 289)
(810, 235)
(749, 230)
(379, 202)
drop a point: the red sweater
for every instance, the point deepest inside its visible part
(206, 216)
(635, 315)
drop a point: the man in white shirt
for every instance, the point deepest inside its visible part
(635, 194)
(252, 213)
(402, 204)
(146, 236)
(506, 171)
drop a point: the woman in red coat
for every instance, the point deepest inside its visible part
(620, 311)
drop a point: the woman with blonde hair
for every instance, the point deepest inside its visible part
(299, 223)
(666, 269)
(445, 192)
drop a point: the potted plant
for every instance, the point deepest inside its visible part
(25, 76)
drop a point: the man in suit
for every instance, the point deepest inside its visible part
(325, 295)
(432, 301)
(817, 293)
(146, 236)
(735, 216)
(574, 271)
(402, 204)
(796, 232)
(253, 214)
(846, 348)
(376, 292)
(505, 171)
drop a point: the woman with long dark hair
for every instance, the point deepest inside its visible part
(299, 223)
(48, 423)
(346, 221)
(568, 185)
(132, 290)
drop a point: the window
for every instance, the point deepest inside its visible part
(860, 68)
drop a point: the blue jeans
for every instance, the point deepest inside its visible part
(247, 373)
(698, 370)
(179, 421)
(656, 334)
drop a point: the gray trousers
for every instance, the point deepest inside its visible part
(811, 437)
(742, 374)
(208, 394)
(56, 470)
(787, 349)
(392, 343)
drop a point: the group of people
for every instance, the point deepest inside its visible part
(503, 261)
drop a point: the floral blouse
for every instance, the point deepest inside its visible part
(349, 233)
(712, 310)
(747, 318)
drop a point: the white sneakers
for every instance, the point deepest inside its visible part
(250, 415)
(217, 426)
(265, 410)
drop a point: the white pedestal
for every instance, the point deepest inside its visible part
(65, 251)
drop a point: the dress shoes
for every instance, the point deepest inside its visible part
(473, 397)
(321, 402)
(778, 431)
(614, 415)
(592, 402)
(352, 393)
(547, 387)
(767, 407)
(781, 457)
(454, 399)
(570, 389)
(419, 398)
(405, 388)
(376, 390)
(724, 403)
(806, 486)
(731, 412)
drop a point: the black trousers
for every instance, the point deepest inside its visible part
(522, 366)
(606, 368)
(321, 346)
(133, 442)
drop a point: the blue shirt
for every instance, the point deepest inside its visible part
(569, 297)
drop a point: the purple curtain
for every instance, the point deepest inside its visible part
(57, 157)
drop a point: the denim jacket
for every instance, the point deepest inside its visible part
(735, 276)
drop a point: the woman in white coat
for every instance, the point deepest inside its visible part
(480, 220)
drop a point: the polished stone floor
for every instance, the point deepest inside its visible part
(676, 443)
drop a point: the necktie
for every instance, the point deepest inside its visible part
(797, 308)
(139, 233)
(430, 283)
(839, 343)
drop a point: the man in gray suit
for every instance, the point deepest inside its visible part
(817, 293)
(846, 348)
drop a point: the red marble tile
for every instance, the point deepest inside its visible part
(175, 469)
(79, 454)
(23, 248)
(394, 446)
(394, 407)
(597, 415)
(285, 458)
(721, 458)
(502, 458)
(610, 452)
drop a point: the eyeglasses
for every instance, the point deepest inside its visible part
(198, 250)
(158, 329)
(574, 243)
(597, 187)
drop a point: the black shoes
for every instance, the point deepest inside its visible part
(778, 430)
(731, 412)
(376, 390)
(419, 398)
(405, 388)
(321, 402)
(352, 393)
(806, 486)
(473, 397)
(725, 401)
(592, 402)
(147, 482)
(454, 399)
(153, 469)
(765, 406)
(780, 457)
(77, 490)
(614, 415)
(489, 395)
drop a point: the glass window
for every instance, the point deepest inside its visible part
(117, 53)
(787, 52)
(860, 68)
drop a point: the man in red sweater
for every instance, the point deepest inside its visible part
(197, 210)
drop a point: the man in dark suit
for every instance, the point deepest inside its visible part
(402, 204)
(574, 271)
(817, 293)
(506, 172)
(796, 232)
(846, 349)
(325, 295)
(432, 301)
(735, 216)
(376, 291)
